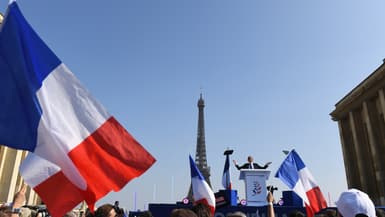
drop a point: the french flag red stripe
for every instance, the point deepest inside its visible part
(316, 200)
(59, 194)
(116, 156)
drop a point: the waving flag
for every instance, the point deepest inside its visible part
(202, 192)
(47, 111)
(226, 174)
(297, 177)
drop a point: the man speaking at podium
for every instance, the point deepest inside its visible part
(251, 164)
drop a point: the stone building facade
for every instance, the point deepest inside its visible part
(10, 179)
(361, 122)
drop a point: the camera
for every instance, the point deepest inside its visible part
(271, 188)
(42, 212)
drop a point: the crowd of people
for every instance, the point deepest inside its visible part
(351, 203)
(200, 210)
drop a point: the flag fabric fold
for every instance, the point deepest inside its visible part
(45, 177)
(202, 193)
(47, 111)
(297, 177)
(226, 182)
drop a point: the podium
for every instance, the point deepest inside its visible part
(255, 185)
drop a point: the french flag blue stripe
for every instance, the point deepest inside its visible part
(288, 171)
(227, 165)
(194, 169)
(226, 174)
(298, 161)
(25, 61)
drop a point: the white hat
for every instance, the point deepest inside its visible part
(353, 202)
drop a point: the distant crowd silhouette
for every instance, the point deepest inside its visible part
(351, 203)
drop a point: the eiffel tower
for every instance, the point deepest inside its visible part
(200, 155)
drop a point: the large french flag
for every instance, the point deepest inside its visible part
(297, 177)
(202, 192)
(47, 111)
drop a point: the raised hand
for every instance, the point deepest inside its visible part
(19, 199)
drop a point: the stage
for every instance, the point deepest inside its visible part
(227, 202)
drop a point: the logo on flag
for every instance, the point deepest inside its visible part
(46, 110)
(297, 177)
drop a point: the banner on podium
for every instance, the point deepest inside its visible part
(255, 185)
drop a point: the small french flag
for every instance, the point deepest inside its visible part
(226, 182)
(297, 177)
(202, 192)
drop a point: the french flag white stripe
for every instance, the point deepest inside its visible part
(304, 184)
(201, 190)
(298, 189)
(36, 170)
(70, 115)
(307, 179)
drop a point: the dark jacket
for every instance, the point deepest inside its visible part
(247, 166)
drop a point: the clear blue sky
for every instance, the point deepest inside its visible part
(270, 73)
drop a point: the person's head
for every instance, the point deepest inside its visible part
(5, 211)
(183, 213)
(106, 210)
(328, 213)
(296, 213)
(201, 210)
(146, 214)
(236, 214)
(353, 202)
(250, 159)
